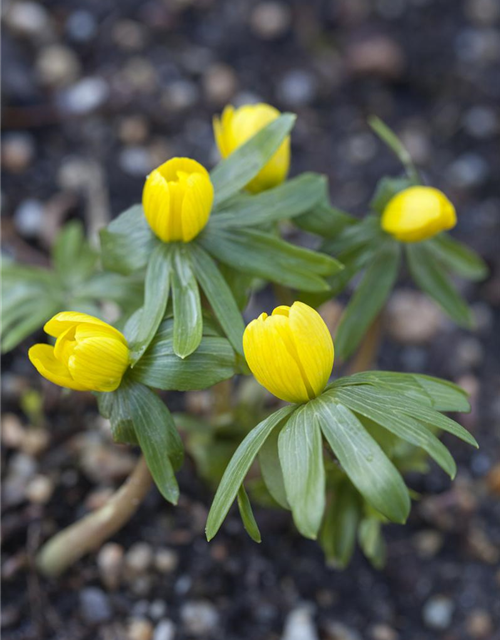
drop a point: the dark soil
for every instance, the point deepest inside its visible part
(153, 75)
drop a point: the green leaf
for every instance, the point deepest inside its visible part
(445, 395)
(73, 259)
(236, 171)
(127, 242)
(396, 146)
(219, 296)
(368, 468)
(114, 406)
(159, 367)
(372, 403)
(372, 542)
(340, 525)
(430, 277)
(368, 300)
(188, 319)
(247, 516)
(238, 467)
(392, 401)
(458, 258)
(158, 438)
(301, 456)
(271, 258)
(386, 189)
(270, 468)
(441, 395)
(26, 320)
(283, 202)
(156, 292)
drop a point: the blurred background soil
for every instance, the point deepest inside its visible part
(96, 94)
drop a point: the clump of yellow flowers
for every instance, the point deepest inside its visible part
(418, 213)
(89, 354)
(177, 199)
(290, 352)
(236, 126)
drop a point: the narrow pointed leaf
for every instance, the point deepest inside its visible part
(219, 296)
(127, 242)
(270, 468)
(271, 258)
(247, 516)
(237, 170)
(157, 437)
(213, 361)
(430, 277)
(188, 320)
(368, 300)
(368, 468)
(156, 292)
(301, 456)
(238, 468)
(458, 258)
(340, 525)
(370, 403)
(286, 201)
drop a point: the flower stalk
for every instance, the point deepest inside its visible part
(69, 545)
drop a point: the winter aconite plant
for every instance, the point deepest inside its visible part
(181, 267)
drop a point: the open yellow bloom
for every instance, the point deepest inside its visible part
(290, 352)
(177, 199)
(89, 354)
(418, 213)
(236, 126)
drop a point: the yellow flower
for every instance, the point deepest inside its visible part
(236, 126)
(177, 199)
(89, 354)
(418, 213)
(290, 352)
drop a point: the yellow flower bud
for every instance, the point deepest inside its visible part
(89, 354)
(290, 352)
(177, 199)
(418, 213)
(236, 126)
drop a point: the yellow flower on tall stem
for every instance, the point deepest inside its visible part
(290, 352)
(177, 199)
(418, 213)
(89, 354)
(236, 126)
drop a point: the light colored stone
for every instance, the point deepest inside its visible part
(139, 629)
(40, 489)
(200, 618)
(165, 630)
(139, 558)
(411, 318)
(480, 624)
(166, 560)
(220, 84)
(438, 612)
(110, 564)
(57, 66)
(299, 624)
(270, 20)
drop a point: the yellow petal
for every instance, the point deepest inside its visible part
(314, 344)
(238, 126)
(197, 205)
(43, 359)
(99, 363)
(156, 204)
(418, 213)
(220, 139)
(67, 319)
(271, 361)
